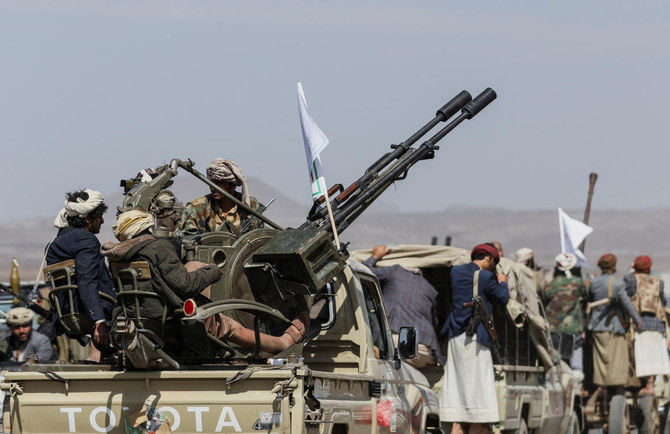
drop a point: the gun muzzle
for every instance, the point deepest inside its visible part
(478, 104)
(453, 106)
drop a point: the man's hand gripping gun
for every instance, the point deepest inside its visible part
(481, 315)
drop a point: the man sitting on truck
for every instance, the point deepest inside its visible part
(468, 391)
(410, 300)
(208, 213)
(175, 283)
(77, 224)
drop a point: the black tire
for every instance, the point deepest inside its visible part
(573, 425)
(665, 417)
(648, 412)
(617, 421)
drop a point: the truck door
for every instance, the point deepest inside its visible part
(394, 409)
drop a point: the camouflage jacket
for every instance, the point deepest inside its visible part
(203, 215)
(563, 299)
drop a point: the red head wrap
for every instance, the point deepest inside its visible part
(487, 249)
(607, 261)
(642, 264)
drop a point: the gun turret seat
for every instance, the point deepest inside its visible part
(136, 297)
(132, 280)
(61, 277)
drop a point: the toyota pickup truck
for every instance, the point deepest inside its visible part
(349, 379)
(346, 376)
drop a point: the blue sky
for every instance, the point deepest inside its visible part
(94, 91)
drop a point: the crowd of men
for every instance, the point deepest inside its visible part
(610, 310)
(613, 312)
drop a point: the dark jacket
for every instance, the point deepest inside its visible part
(92, 276)
(169, 277)
(462, 285)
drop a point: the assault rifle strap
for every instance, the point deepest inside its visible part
(476, 318)
(609, 287)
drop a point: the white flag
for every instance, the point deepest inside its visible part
(573, 232)
(315, 142)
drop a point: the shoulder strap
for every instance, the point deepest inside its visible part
(475, 284)
(609, 287)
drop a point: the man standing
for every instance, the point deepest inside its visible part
(526, 257)
(210, 212)
(77, 225)
(651, 357)
(24, 340)
(468, 390)
(563, 299)
(410, 300)
(608, 324)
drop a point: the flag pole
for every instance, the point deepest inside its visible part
(315, 141)
(332, 219)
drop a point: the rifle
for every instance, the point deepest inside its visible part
(481, 315)
(139, 194)
(252, 219)
(393, 166)
(30, 304)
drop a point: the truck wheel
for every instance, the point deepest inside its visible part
(648, 421)
(617, 421)
(665, 417)
(573, 425)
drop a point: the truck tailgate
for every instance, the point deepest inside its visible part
(104, 401)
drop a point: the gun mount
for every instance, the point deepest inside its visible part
(287, 270)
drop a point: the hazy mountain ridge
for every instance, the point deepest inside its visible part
(626, 233)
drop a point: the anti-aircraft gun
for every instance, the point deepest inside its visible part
(271, 274)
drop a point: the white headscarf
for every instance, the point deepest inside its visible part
(523, 255)
(224, 170)
(131, 223)
(80, 208)
(565, 262)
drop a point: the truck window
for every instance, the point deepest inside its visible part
(377, 323)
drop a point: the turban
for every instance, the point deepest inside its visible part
(19, 316)
(565, 262)
(224, 170)
(131, 223)
(487, 249)
(642, 264)
(524, 255)
(607, 262)
(80, 208)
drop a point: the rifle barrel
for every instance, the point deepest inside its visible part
(593, 177)
(29, 303)
(189, 168)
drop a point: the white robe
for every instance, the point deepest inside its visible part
(468, 389)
